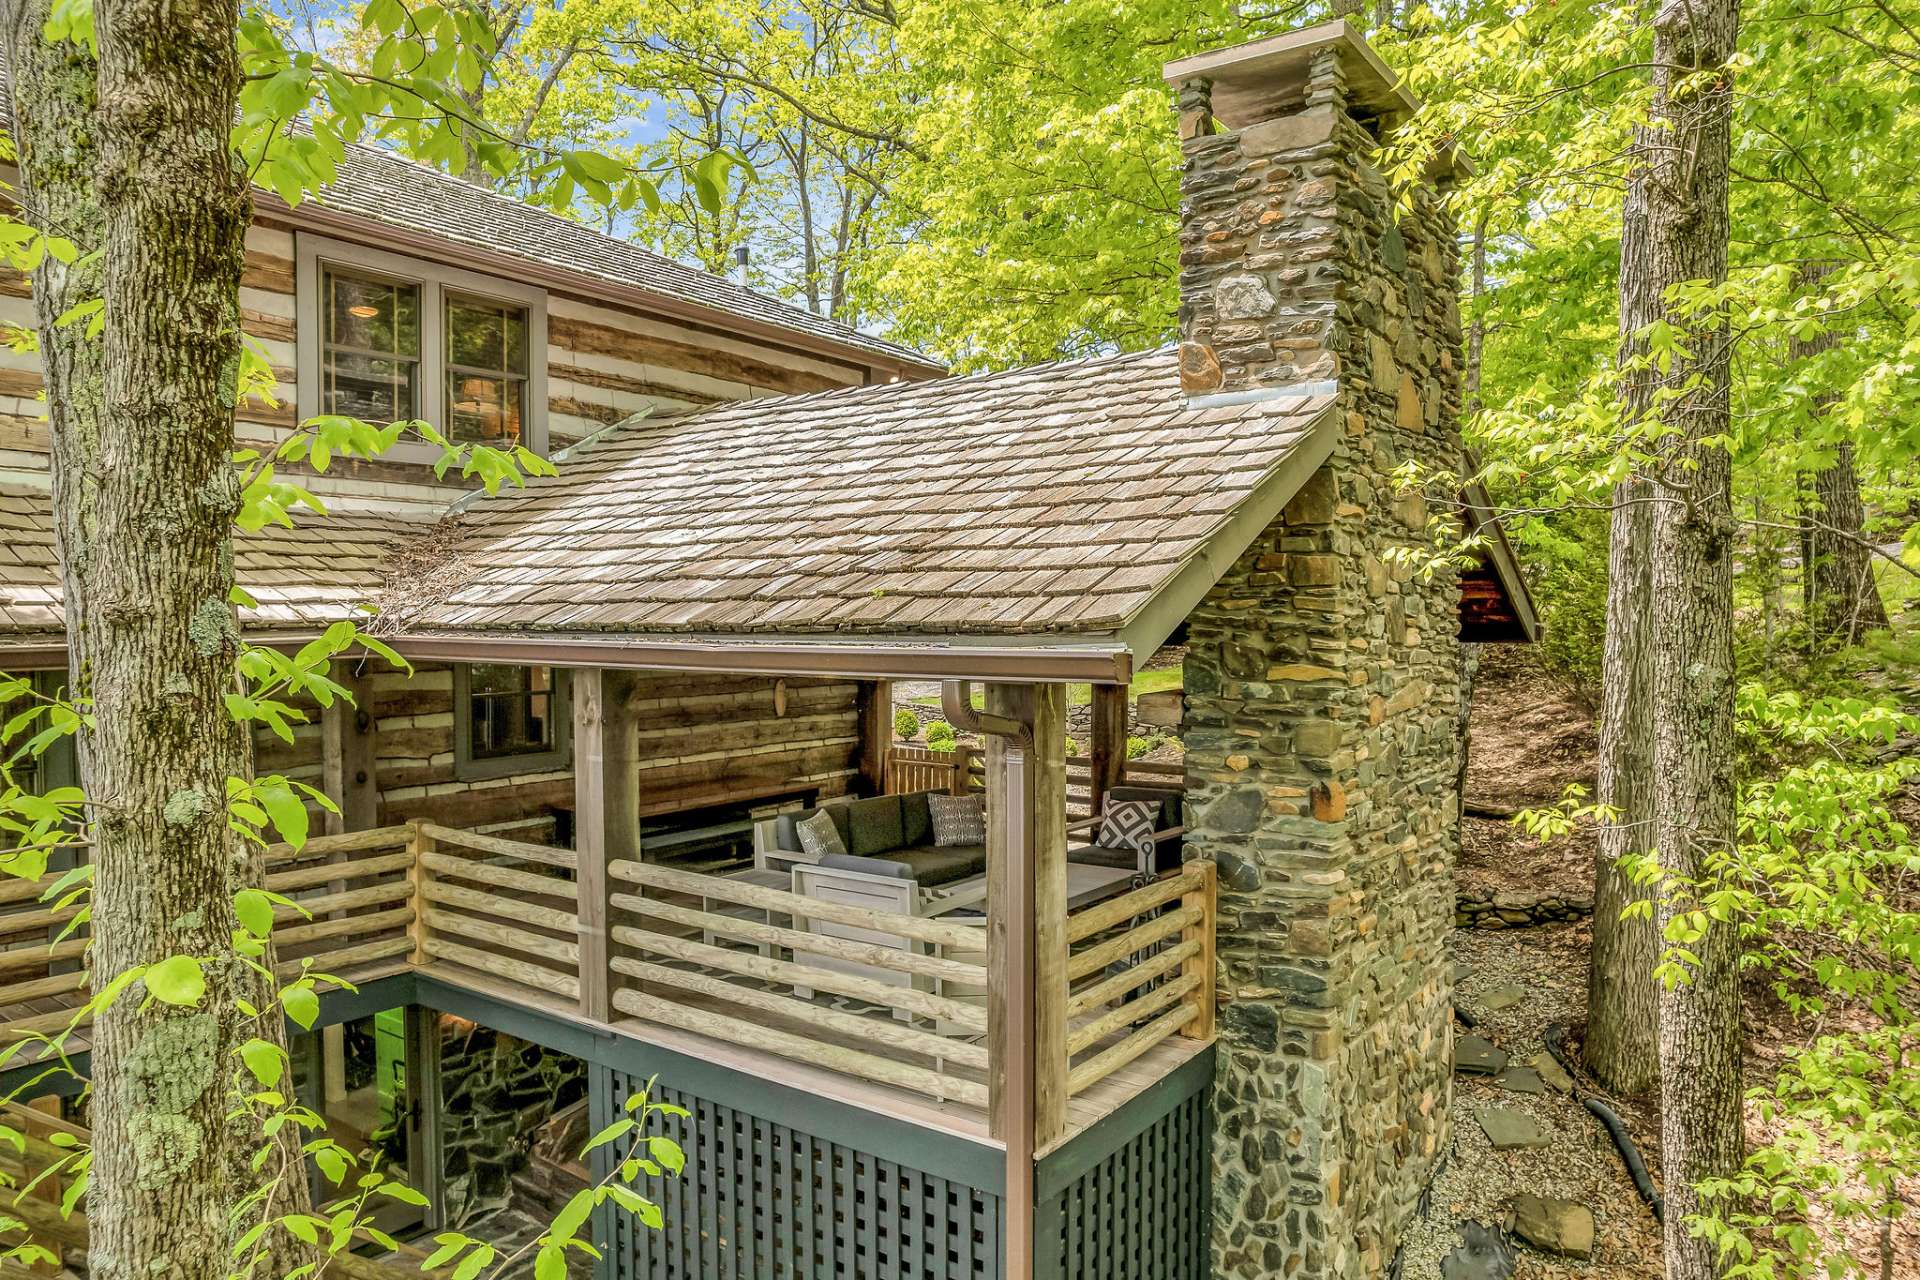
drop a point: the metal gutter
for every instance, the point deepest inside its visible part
(1065, 662)
(899, 659)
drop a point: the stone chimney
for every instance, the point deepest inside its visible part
(1322, 675)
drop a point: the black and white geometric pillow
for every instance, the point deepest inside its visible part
(1128, 824)
(818, 835)
(957, 820)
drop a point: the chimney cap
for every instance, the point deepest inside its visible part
(1266, 78)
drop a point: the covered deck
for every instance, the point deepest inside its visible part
(1007, 1010)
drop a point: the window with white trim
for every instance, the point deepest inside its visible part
(384, 337)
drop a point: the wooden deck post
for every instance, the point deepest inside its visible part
(876, 734)
(606, 815)
(419, 843)
(962, 779)
(1027, 944)
(347, 753)
(1200, 964)
(1108, 749)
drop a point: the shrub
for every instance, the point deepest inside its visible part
(906, 725)
(1137, 747)
(1073, 747)
(940, 736)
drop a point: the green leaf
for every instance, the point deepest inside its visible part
(177, 980)
(267, 1062)
(285, 810)
(301, 1004)
(255, 911)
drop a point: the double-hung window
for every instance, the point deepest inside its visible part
(384, 337)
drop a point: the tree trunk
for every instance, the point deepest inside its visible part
(1692, 632)
(53, 108)
(1839, 598)
(1622, 1008)
(163, 637)
(1842, 599)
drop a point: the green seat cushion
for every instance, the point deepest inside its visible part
(943, 864)
(875, 825)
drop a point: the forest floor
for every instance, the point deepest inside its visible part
(1530, 740)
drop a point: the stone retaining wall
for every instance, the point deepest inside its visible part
(1505, 909)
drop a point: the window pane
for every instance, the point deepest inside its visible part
(369, 387)
(476, 335)
(486, 335)
(373, 315)
(511, 710)
(484, 409)
(370, 362)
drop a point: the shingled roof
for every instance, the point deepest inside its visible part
(377, 187)
(302, 578)
(1058, 500)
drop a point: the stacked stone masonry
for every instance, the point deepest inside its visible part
(1321, 693)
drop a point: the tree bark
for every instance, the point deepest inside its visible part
(1839, 598)
(1620, 1047)
(53, 110)
(1692, 633)
(162, 637)
(1842, 600)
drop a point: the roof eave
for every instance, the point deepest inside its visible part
(1500, 555)
(1156, 620)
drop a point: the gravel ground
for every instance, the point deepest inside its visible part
(1548, 966)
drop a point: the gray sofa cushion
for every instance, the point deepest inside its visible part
(943, 864)
(871, 866)
(875, 824)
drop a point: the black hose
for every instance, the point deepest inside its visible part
(1629, 1153)
(1467, 1020)
(1555, 1037)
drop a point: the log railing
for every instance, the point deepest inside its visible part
(353, 911)
(1139, 969)
(501, 907)
(707, 954)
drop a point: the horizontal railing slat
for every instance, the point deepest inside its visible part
(885, 1031)
(564, 858)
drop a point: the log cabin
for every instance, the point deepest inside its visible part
(1004, 1011)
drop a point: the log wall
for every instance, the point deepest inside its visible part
(703, 740)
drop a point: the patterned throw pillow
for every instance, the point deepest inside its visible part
(1128, 824)
(818, 835)
(957, 820)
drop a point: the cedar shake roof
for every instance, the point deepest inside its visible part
(303, 578)
(373, 185)
(1059, 499)
(1054, 503)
